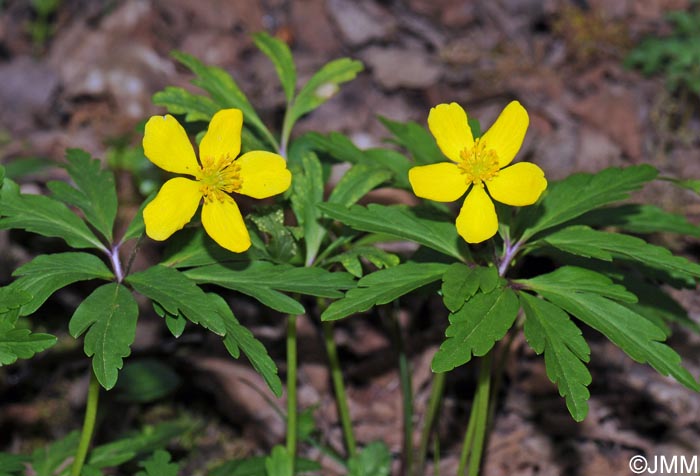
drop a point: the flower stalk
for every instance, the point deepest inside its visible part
(88, 425)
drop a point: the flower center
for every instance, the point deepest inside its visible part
(478, 164)
(219, 178)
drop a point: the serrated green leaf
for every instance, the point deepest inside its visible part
(418, 141)
(46, 459)
(322, 86)
(145, 380)
(178, 101)
(281, 58)
(687, 184)
(401, 222)
(94, 193)
(255, 466)
(177, 294)
(239, 338)
(225, 92)
(281, 246)
(636, 336)
(11, 463)
(11, 298)
(459, 283)
(150, 439)
(397, 163)
(21, 343)
(476, 327)
(351, 259)
(337, 146)
(279, 463)
(548, 329)
(109, 315)
(572, 279)
(356, 182)
(46, 274)
(644, 219)
(158, 465)
(25, 166)
(193, 247)
(307, 193)
(580, 193)
(373, 460)
(587, 242)
(44, 216)
(384, 286)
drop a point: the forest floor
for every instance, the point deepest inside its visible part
(90, 84)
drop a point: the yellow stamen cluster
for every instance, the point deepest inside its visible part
(478, 164)
(219, 177)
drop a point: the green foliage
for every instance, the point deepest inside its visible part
(281, 58)
(194, 107)
(351, 260)
(549, 330)
(382, 287)
(416, 139)
(145, 381)
(460, 283)
(356, 182)
(373, 460)
(46, 459)
(193, 247)
(641, 219)
(307, 194)
(279, 463)
(476, 327)
(109, 316)
(21, 343)
(256, 466)
(12, 298)
(676, 56)
(281, 244)
(158, 465)
(400, 222)
(177, 294)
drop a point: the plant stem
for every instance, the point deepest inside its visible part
(116, 263)
(476, 429)
(433, 407)
(341, 398)
(292, 389)
(407, 393)
(88, 425)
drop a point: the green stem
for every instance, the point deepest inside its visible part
(88, 425)
(292, 390)
(476, 430)
(407, 393)
(433, 407)
(341, 397)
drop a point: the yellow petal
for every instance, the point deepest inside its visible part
(166, 144)
(448, 124)
(440, 182)
(172, 208)
(506, 135)
(477, 220)
(222, 221)
(518, 185)
(263, 174)
(223, 137)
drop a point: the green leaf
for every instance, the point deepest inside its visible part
(46, 274)
(384, 286)
(48, 458)
(12, 298)
(179, 101)
(351, 259)
(150, 439)
(356, 182)
(145, 380)
(401, 222)
(239, 338)
(476, 327)
(548, 329)
(460, 283)
(373, 460)
(636, 336)
(281, 58)
(281, 246)
(572, 279)
(418, 141)
(580, 193)
(322, 86)
(224, 91)
(587, 242)
(687, 184)
(10, 463)
(158, 465)
(392, 160)
(24, 166)
(193, 247)
(110, 313)
(44, 216)
(21, 343)
(640, 219)
(307, 193)
(177, 294)
(95, 193)
(255, 466)
(279, 463)
(336, 145)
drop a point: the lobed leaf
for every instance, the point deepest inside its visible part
(307, 193)
(357, 182)
(109, 316)
(281, 58)
(416, 139)
(460, 283)
(401, 222)
(177, 294)
(21, 343)
(178, 101)
(373, 460)
(255, 466)
(382, 287)
(476, 327)
(46, 459)
(549, 330)
(12, 298)
(193, 247)
(642, 219)
(158, 465)
(351, 259)
(280, 462)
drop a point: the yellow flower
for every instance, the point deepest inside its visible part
(218, 173)
(478, 163)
